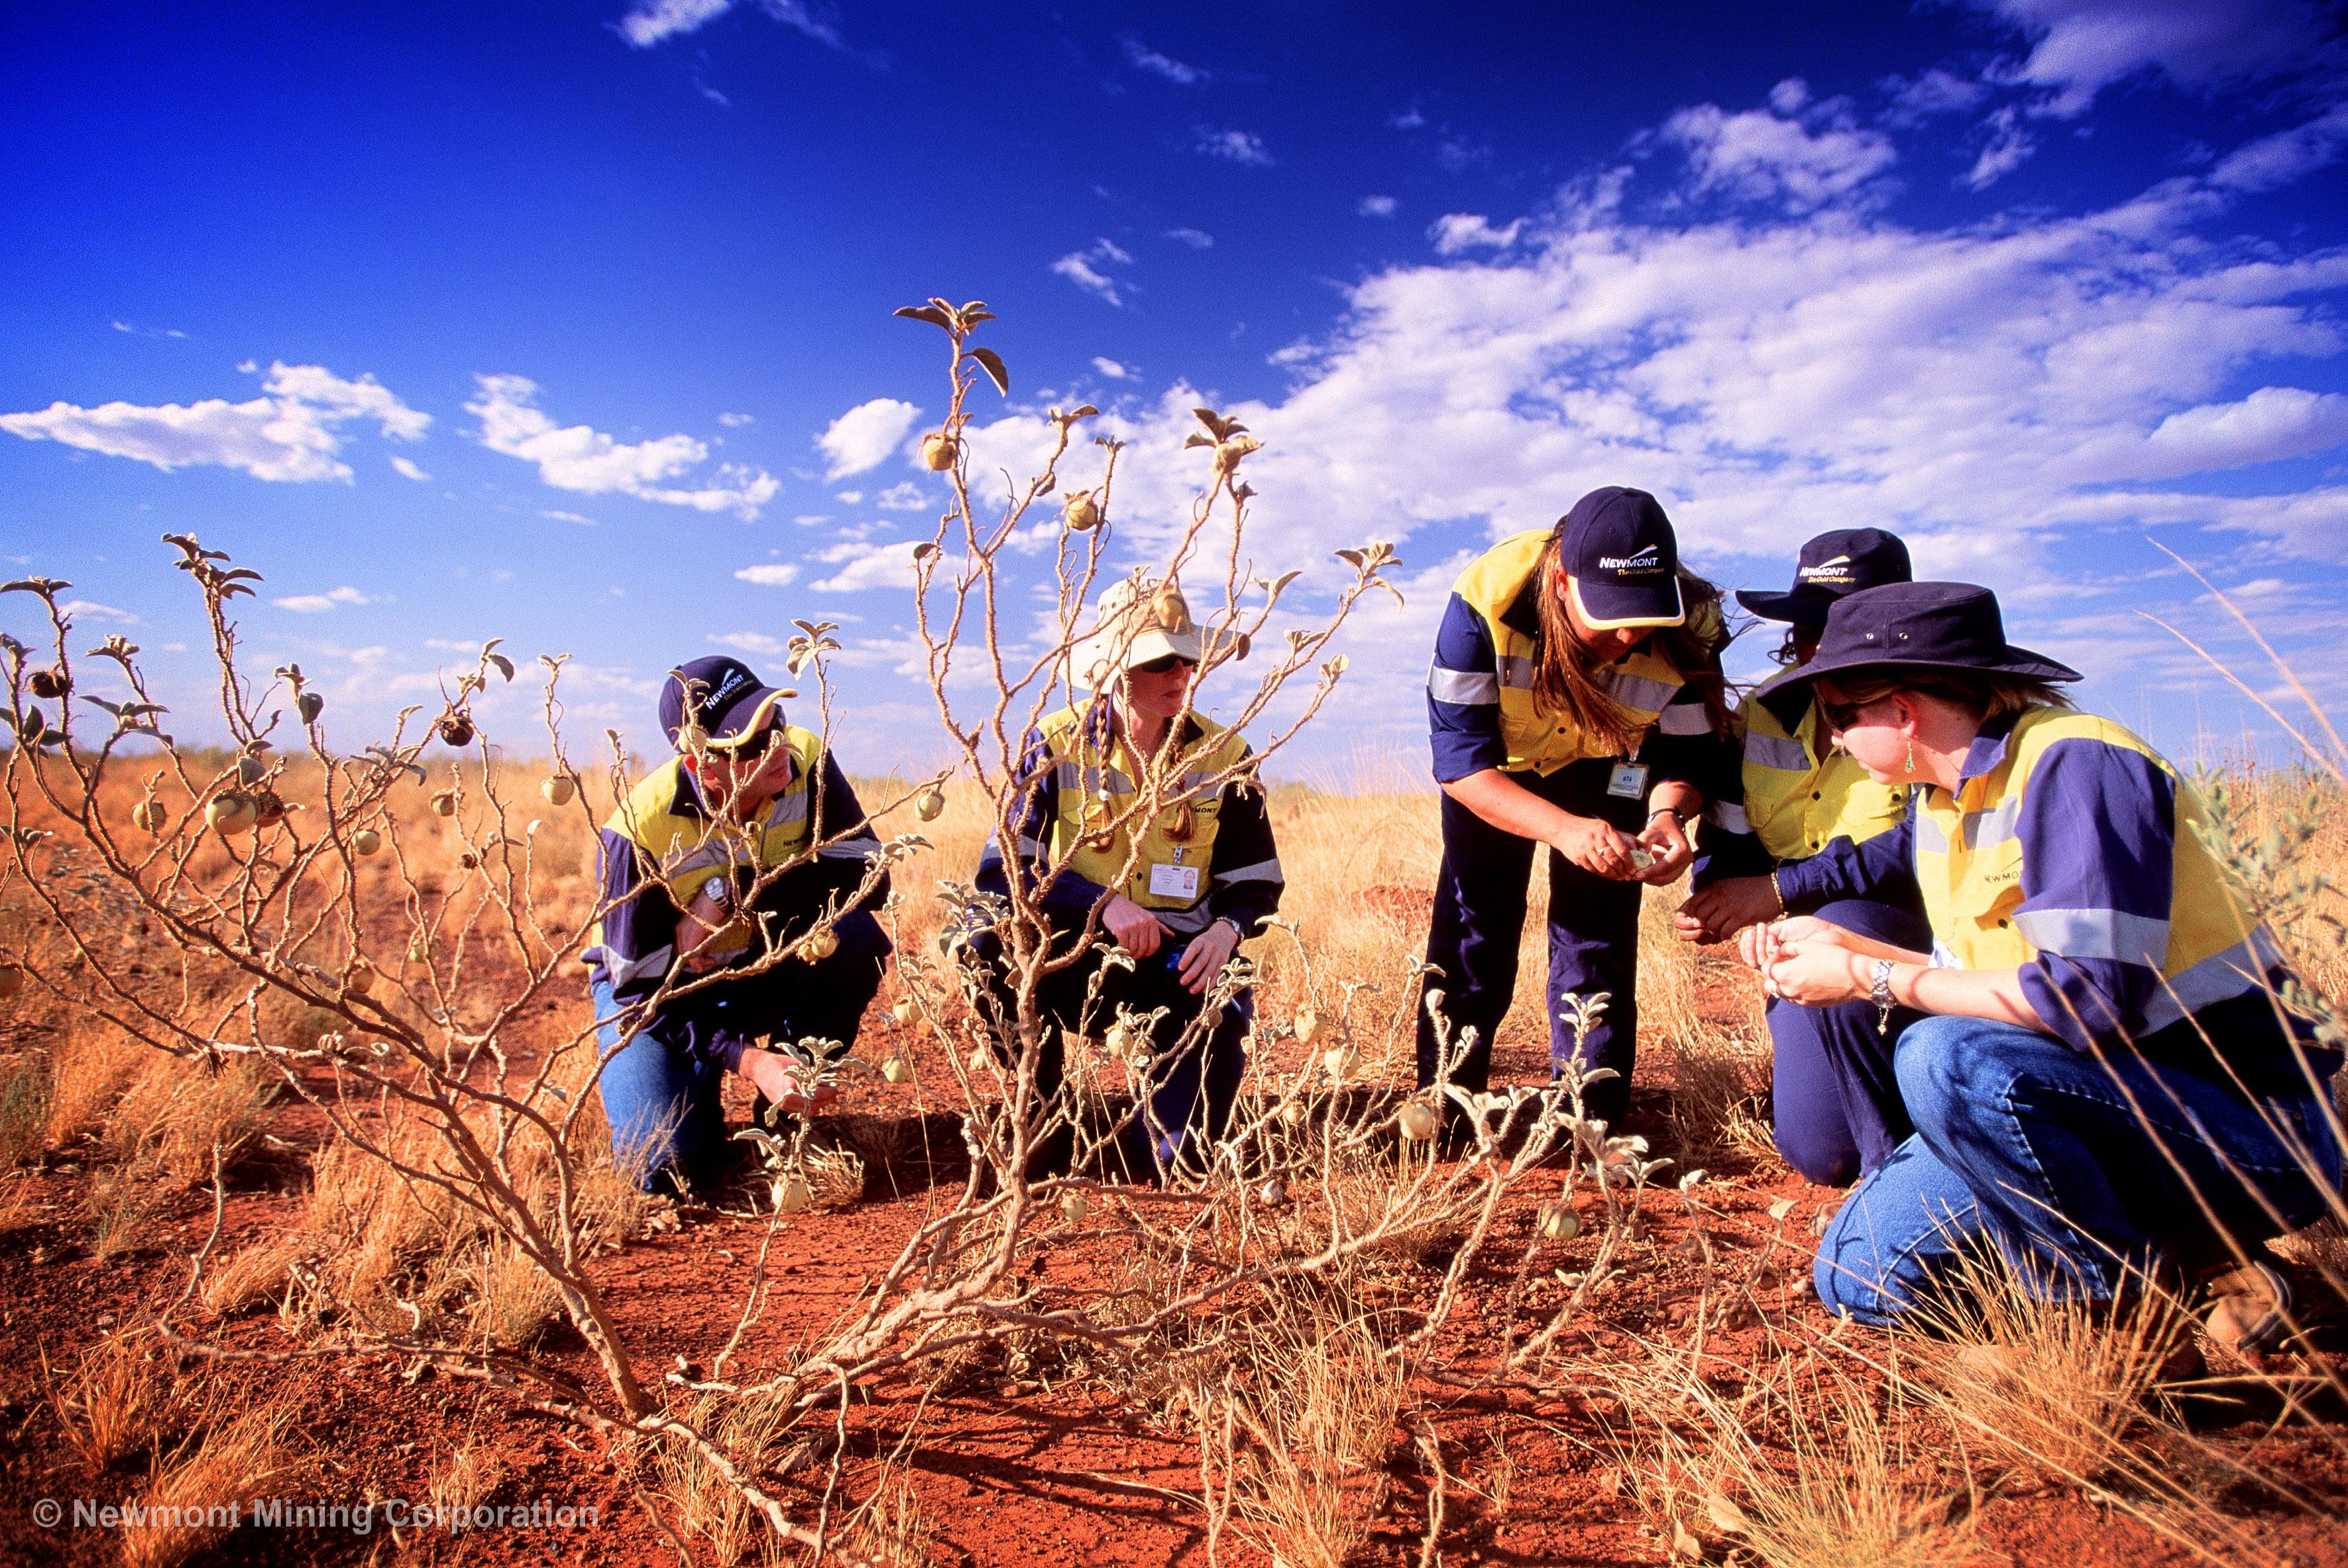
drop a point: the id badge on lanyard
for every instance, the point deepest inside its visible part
(1628, 780)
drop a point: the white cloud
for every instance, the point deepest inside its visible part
(1455, 232)
(290, 434)
(1760, 156)
(406, 469)
(2009, 147)
(561, 516)
(863, 437)
(905, 496)
(1197, 238)
(770, 575)
(319, 603)
(579, 458)
(1082, 268)
(849, 497)
(748, 642)
(2278, 159)
(2271, 424)
(91, 610)
(1238, 146)
(2081, 46)
(1933, 92)
(864, 565)
(1377, 207)
(1110, 368)
(652, 22)
(1146, 59)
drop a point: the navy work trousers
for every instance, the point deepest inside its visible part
(1481, 893)
(1835, 1099)
(1189, 1087)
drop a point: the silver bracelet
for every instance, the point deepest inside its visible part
(1881, 997)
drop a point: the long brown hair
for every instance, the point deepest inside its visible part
(1565, 673)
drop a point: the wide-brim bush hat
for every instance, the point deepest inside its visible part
(1138, 620)
(1834, 565)
(1922, 627)
(721, 699)
(1621, 560)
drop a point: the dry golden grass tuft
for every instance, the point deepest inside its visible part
(891, 1528)
(119, 1400)
(89, 1069)
(179, 1114)
(468, 1479)
(124, 1203)
(24, 1109)
(191, 1501)
(750, 1430)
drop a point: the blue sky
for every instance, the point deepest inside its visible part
(569, 325)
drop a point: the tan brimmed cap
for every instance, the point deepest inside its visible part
(1137, 620)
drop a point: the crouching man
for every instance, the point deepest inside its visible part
(688, 881)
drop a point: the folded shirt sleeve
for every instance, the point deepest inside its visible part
(1885, 865)
(1244, 877)
(1463, 696)
(2099, 830)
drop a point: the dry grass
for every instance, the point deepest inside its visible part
(24, 1109)
(514, 1301)
(126, 1202)
(254, 1274)
(178, 1113)
(119, 1401)
(750, 1431)
(891, 1528)
(190, 1501)
(89, 1069)
(468, 1478)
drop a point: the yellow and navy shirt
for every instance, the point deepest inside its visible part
(658, 850)
(1207, 855)
(1792, 796)
(1481, 712)
(2069, 852)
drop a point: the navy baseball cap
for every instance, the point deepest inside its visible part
(1621, 560)
(722, 698)
(1841, 561)
(1920, 626)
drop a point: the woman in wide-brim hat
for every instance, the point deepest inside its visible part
(1176, 890)
(2103, 1082)
(1575, 704)
(1834, 1101)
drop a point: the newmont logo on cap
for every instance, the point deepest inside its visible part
(1621, 560)
(1841, 561)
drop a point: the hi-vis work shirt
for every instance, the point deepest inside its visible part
(1797, 795)
(1481, 712)
(1207, 855)
(658, 850)
(2069, 852)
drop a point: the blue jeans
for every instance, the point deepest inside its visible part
(663, 1100)
(2077, 1170)
(1835, 1100)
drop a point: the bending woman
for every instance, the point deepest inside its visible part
(1834, 1102)
(1574, 703)
(2102, 1084)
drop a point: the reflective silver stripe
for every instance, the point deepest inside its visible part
(1727, 817)
(1775, 751)
(790, 808)
(1462, 686)
(1637, 691)
(1186, 922)
(1684, 718)
(1262, 870)
(710, 855)
(1930, 839)
(1994, 826)
(1517, 672)
(1075, 775)
(863, 847)
(625, 971)
(1027, 846)
(1941, 957)
(2239, 968)
(2095, 933)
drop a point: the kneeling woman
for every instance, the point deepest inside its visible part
(1574, 704)
(1176, 892)
(685, 865)
(2102, 1084)
(1835, 1105)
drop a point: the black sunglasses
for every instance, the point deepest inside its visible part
(1163, 664)
(754, 743)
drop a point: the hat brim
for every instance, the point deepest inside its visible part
(1613, 609)
(1800, 608)
(1101, 658)
(2018, 661)
(747, 717)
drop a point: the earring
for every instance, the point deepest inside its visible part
(1911, 755)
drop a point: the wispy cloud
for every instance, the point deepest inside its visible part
(581, 459)
(737, 421)
(865, 565)
(2009, 147)
(905, 496)
(1238, 146)
(1780, 154)
(863, 437)
(319, 603)
(1197, 238)
(290, 434)
(406, 468)
(747, 641)
(1145, 58)
(1377, 207)
(1456, 232)
(1083, 268)
(651, 21)
(91, 610)
(2081, 46)
(558, 515)
(1109, 368)
(148, 331)
(770, 575)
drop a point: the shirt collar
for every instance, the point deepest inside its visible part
(1988, 749)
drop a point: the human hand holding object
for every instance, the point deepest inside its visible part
(1136, 929)
(774, 1075)
(1666, 843)
(1598, 848)
(1729, 906)
(1204, 958)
